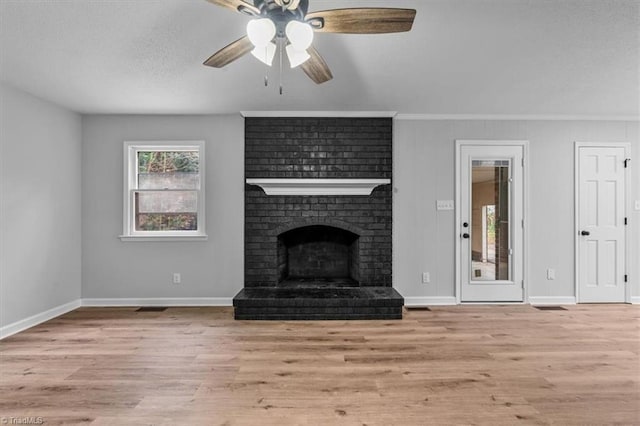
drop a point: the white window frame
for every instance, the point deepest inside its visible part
(131, 149)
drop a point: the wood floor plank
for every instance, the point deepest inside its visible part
(477, 364)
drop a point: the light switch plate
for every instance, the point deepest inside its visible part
(444, 205)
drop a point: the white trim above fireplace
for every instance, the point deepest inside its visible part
(318, 186)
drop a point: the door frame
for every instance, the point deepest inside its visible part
(576, 210)
(459, 143)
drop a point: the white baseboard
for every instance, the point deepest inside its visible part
(552, 300)
(21, 325)
(429, 301)
(18, 326)
(635, 300)
(159, 301)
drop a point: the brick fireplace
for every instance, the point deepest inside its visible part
(318, 219)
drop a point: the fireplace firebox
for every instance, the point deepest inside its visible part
(318, 254)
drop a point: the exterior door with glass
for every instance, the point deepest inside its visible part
(491, 228)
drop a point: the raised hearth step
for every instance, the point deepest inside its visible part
(318, 282)
(313, 303)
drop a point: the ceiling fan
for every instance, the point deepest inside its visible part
(287, 25)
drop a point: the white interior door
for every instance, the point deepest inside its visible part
(491, 225)
(601, 224)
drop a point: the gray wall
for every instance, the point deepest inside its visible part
(47, 259)
(40, 215)
(423, 173)
(423, 238)
(116, 269)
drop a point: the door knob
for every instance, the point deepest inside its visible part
(585, 233)
(465, 235)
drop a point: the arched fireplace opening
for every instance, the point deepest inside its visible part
(318, 255)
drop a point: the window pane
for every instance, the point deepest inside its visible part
(168, 170)
(175, 180)
(490, 239)
(166, 210)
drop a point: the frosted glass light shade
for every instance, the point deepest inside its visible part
(261, 31)
(296, 57)
(265, 53)
(300, 34)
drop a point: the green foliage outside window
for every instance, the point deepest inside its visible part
(167, 221)
(167, 161)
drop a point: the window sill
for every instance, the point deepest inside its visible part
(165, 238)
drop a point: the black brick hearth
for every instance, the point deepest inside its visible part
(310, 303)
(325, 250)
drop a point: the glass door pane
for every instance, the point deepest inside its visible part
(490, 212)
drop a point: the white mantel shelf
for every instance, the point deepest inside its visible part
(318, 186)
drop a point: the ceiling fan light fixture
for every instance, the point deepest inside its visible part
(300, 34)
(261, 31)
(286, 26)
(265, 54)
(296, 57)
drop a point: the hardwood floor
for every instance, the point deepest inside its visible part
(452, 365)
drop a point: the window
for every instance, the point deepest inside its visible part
(164, 190)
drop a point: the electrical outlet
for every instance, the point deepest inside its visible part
(177, 278)
(551, 274)
(426, 278)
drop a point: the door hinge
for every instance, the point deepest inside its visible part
(523, 223)
(522, 283)
(522, 161)
(626, 162)
(626, 222)
(626, 278)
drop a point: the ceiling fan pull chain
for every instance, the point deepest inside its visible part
(281, 46)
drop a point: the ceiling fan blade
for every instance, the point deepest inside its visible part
(362, 20)
(316, 68)
(230, 53)
(237, 5)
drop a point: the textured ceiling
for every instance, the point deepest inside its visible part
(518, 57)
